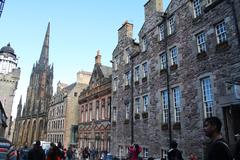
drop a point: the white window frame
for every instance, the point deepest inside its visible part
(90, 115)
(161, 32)
(164, 153)
(163, 61)
(137, 73)
(115, 63)
(82, 118)
(145, 152)
(127, 55)
(144, 44)
(128, 78)
(197, 8)
(221, 32)
(97, 113)
(164, 97)
(145, 103)
(209, 2)
(177, 103)
(171, 25)
(137, 105)
(145, 69)
(86, 116)
(174, 55)
(127, 107)
(201, 42)
(115, 84)
(207, 96)
(115, 114)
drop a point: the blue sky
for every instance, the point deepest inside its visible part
(78, 29)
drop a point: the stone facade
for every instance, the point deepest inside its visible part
(94, 109)
(32, 123)
(9, 77)
(187, 61)
(63, 112)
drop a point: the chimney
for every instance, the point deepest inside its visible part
(151, 7)
(83, 77)
(98, 58)
(125, 31)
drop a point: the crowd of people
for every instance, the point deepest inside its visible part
(217, 149)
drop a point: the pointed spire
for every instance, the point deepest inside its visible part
(45, 48)
(19, 108)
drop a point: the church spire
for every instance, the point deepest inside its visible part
(45, 48)
(19, 108)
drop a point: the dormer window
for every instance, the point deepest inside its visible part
(127, 55)
(144, 44)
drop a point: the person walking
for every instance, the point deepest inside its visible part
(36, 153)
(218, 149)
(24, 152)
(174, 153)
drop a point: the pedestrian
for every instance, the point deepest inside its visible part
(193, 157)
(174, 153)
(136, 153)
(53, 153)
(24, 152)
(218, 149)
(237, 148)
(60, 151)
(36, 153)
(69, 153)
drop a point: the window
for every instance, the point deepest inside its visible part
(221, 32)
(197, 8)
(174, 55)
(103, 112)
(163, 61)
(75, 94)
(82, 116)
(115, 63)
(209, 2)
(145, 103)
(207, 97)
(145, 69)
(164, 95)
(127, 55)
(114, 114)
(127, 78)
(145, 152)
(90, 115)
(176, 103)
(137, 105)
(120, 151)
(97, 114)
(144, 44)
(171, 25)
(127, 110)
(86, 116)
(164, 153)
(161, 32)
(115, 84)
(137, 73)
(201, 43)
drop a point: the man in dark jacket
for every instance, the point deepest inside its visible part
(218, 149)
(37, 153)
(173, 152)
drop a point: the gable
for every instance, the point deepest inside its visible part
(97, 76)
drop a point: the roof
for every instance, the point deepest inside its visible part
(8, 49)
(107, 71)
(70, 87)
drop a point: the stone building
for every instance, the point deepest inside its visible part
(31, 124)
(63, 112)
(9, 77)
(3, 119)
(94, 109)
(185, 68)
